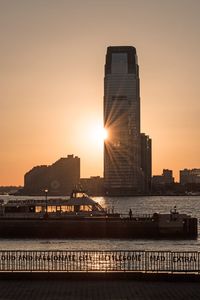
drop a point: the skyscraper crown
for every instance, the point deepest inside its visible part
(124, 55)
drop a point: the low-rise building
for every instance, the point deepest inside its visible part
(93, 185)
(165, 178)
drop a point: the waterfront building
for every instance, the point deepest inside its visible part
(59, 178)
(190, 176)
(122, 149)
(146, 161)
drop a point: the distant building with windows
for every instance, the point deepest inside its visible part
(190, 176)
(59, 178)
(164, 179)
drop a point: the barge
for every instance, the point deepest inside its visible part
(82, 217)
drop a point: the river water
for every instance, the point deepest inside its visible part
(139, 205)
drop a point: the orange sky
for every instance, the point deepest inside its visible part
(51, 80)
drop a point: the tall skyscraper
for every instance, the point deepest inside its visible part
(122, 149)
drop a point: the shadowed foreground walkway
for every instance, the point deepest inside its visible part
(99, 289)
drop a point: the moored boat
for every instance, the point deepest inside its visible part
(82, 217)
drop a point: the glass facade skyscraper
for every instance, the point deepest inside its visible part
(122, 148)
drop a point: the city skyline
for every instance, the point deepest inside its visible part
(52, 68)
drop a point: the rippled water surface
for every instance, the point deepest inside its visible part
(139, 205)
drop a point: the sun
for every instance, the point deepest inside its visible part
(98, 134)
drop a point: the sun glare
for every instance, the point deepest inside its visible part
(104, 134)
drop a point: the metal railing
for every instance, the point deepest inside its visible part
(99, 261)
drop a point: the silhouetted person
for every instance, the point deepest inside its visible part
(130, 213)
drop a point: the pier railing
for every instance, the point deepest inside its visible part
(99, 261)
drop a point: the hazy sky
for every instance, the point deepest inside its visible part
(52, 59)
